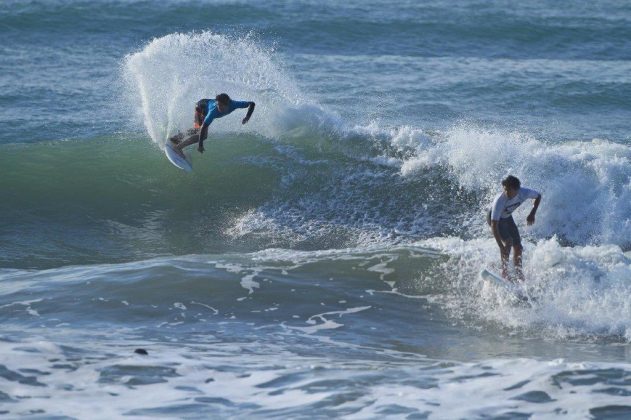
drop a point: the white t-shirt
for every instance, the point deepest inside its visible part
(503, 206)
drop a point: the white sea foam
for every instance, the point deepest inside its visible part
(579, 291)
(586, 185)
(229, 379)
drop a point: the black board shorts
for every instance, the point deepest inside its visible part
(508, 230)
(201, 110)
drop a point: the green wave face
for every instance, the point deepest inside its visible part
(118, 199)
(81, 201)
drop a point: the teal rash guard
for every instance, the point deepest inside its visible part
(213, 112)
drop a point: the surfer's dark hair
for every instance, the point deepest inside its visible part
(511, 182)
(223, 98)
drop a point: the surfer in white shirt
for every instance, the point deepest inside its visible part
(502, 224)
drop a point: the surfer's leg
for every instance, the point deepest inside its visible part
(192, 139)
(517, 249)
(176, 138)
(505, 258)
(517, 255)
(503, 227)
(517, 261)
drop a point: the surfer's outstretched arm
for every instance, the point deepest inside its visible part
(251, 106)
(203, 133)
(504, 250)
(531, 217)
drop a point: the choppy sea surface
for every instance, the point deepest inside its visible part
(324, 259)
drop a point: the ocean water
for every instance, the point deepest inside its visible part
(322, 260)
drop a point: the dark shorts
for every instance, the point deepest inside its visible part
(201, 109)
(508, 230)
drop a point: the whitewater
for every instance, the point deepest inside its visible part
(322, 260)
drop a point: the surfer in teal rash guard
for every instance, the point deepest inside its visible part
(206, 110)
(502, 224)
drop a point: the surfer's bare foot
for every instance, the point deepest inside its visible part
(176, 139)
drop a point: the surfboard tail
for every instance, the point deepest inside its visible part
(177, 159)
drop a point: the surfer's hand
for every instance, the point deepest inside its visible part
(200, 148)
(245, 120)
(530, 219)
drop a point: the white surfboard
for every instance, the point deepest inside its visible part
(499, 281)
(176, 159)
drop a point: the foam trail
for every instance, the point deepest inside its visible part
(173, 72)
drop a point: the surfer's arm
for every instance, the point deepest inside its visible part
(203, 133)
(251, 106)
(531, 217)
